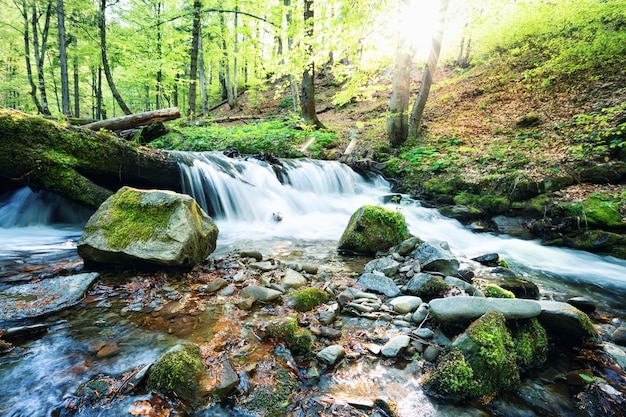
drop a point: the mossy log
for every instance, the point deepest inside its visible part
(82, 165)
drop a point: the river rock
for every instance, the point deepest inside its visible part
(425, 285)
(405, 304)
(490, 259)
(259, 293)
(137, 227)
(619, 336)
(221, 379)
(567, 322)
(392, 348)
(583, 304)
(618, 353)
(331, 354)
(255, 254)
(262, 266)
(436, 258)
(465, 286)
(372, 229)
(453, 309)
(386, 265)
(44, 297)
(293, 279)
(424, 333)
(328, 313)
(431, 353)
(378, 283)
(420, 314)
(215, 285)
(406, 246)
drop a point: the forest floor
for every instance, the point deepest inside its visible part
(477, 123)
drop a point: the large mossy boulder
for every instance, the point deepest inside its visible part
(138, 227)
(482, 361)
(372, 229)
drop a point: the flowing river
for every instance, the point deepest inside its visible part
(315, 199)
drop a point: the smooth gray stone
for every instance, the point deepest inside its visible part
(405, 304)
(471, 308)
(378, 283)
(392, 348)
(43, 297)
(566, 321)
(332, 354)
(260, 293)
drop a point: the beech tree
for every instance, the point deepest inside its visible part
(65, 84)
(309, 115)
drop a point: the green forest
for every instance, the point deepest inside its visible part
(480, 103)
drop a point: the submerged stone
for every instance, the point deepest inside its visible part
(567, 322)
(44, 297)
(136, 227)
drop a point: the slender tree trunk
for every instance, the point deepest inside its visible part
(308, 112)
(159, 74)
(100, 114)
(105, 60)
(232, 102)
(427, 78)
(397, 120)
(65, 82)
(76, 81)
(203, 78)
(40, 54)
(225, 69)
(29, 70)
(175, 93)
(193, 68)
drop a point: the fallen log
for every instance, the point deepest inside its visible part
(81, 165)
(226, 119)
(135, 120)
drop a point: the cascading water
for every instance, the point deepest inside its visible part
(315, 200)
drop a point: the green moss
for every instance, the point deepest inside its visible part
(272, 398)
(531, 343)
(308, 298)
(373, 229)
(598, 209)
(538, 204)
(130, 220)
(453, 378)
(433, 287)
(298, 340)
(175, 374)
(487, 202)
(494, 291)
(587, 326)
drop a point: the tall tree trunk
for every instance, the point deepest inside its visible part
(397, 120)
(308, 112)
(427, 78)
(203, 78)
(224, 70)
(105, 60)
(232, 102)
(100, 114)
(65, 82)
(159, 74)
(76, 80)
(40, 54)
(193, 67)
(29, 70)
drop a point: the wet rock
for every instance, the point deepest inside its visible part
(465, 286)
(387, 265)
(490, 259)
(263, 266)
(108, 350)
(330, 333)
(405, 304)
(618, 353)
(407, 246)
(215, 285)
(332, 354)
(431, 353)
(514, 226)
(140, 227)
(425, 285)
(31, 332)
(259, 293)
(378, 283)
(455, 309)
(44, 297)
(420, 314)
(293, 279)
(394, 346)
(252, 254)
(175, 374)
(521, 288)
(372, 229)
(227, 378)
(567, 322)
(436, 258)
(583, 304)
(424, 333)
(328, 313)
(619, 336)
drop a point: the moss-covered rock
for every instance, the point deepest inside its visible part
(176, 374)
(274, 387)
(599, 210)
(486, 202)
(372, 229)
(148, 226)
(488, 352)
(308, 298)
(531, 343)
(297, 339)
(494, 291)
